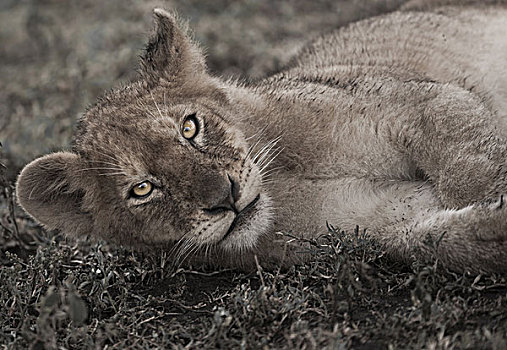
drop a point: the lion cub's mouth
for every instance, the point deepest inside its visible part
(240, 215)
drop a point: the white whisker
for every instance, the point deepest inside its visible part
(156, 105)
(252, 147)
(258, 133)
(113, 174)
(268, 154)
(105, 155)
(266, 171)
(195, 248)
(99, 168)
(189, 249)
(102, 162)
(175, 247)
(265, 166)
(261, 154)
(259, 136)
(145, 109)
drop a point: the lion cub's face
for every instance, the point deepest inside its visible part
(155, 162)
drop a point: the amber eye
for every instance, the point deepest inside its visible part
(190, 127)
(142, 189)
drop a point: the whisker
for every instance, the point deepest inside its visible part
(189, 248)
(269, 175)
(252, 147)
(156, 105)
(179, 243)
(102, 162)
(191, 252)
(145, 109)
(272, 176)
(182, 247)
(99, 168)
(175, 247)
(267, 155)
(207, 251)
(270, 144)
(260, 132)
(276, 154)
(259, 153)
(113, 174)
(264, 171)
(259, 136)
(264, 150)
(116, 159)
(106, 155)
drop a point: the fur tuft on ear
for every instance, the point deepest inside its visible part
(170, 55)
(48, 190)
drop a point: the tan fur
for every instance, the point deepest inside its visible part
(396, 124)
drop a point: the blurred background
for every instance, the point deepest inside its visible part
(57, 56)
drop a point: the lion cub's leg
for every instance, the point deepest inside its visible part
(456, 140)
(408, 220)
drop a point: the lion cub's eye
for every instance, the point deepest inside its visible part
(142, 189)
(190, 127)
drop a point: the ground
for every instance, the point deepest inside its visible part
(56, 57)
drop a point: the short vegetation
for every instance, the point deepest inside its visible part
(61, 294)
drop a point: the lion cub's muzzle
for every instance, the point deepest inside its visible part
(229, 204)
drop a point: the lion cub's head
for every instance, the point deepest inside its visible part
(157, 161)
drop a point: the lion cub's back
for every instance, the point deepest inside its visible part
(466, 46)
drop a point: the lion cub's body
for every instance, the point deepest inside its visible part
(396, 124)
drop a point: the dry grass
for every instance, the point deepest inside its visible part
(89, 295)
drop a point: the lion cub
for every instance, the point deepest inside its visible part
(396, 124)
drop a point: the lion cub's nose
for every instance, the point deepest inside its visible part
(228, 202)
(234, 189)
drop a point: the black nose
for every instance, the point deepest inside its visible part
(227, 203)
(234, 189)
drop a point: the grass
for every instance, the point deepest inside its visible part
(82, 295)
(55, 58)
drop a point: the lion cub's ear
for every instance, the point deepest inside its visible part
(48, 189)
(170, 55)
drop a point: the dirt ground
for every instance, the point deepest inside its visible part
(56, 57)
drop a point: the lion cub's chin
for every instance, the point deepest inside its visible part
(250, 226)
